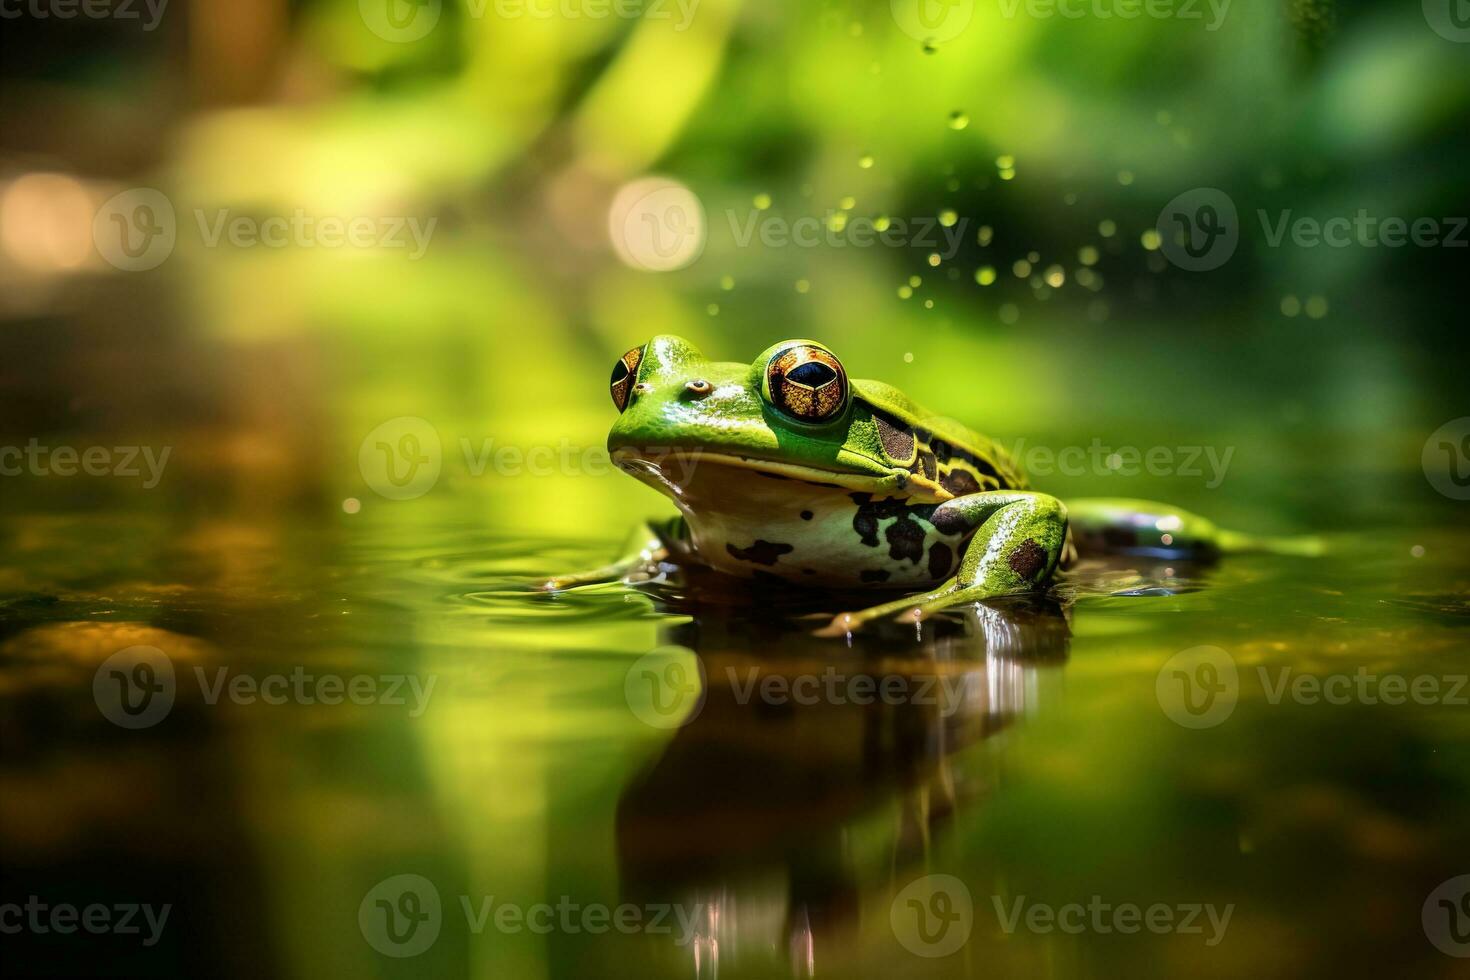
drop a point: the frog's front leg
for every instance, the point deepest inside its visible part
(648, 544)
(1019, 537)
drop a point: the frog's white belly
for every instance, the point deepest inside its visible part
(748, 522)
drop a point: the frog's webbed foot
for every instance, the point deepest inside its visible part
(1019, 539)
(647, 546)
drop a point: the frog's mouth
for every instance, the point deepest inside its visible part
(675, 471)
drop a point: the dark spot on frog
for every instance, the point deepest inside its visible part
(959, 482)
(771, 476)
(940, 558)
(905, 539)
(950, 520)
(762, 552)
(1027, 559)
(905, 536)
(873, 575)
(806, 515)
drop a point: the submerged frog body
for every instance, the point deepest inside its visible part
(787, 468)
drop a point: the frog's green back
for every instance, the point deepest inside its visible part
(953, 455)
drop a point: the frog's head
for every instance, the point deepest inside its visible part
(791, 412)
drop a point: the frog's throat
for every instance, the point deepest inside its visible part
(672, 472)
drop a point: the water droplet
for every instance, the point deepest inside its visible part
(1088, 255)
(928, 304)
(761, 201)
(985, 275)
(908, 358)
(803, 285)
(948, 217)
(934, 259)
(1009, 313)
(1125, 177)
(1317, 307)
(958, 120)
(986, 234)
(847, 203)
(1107, 228)
(1291, 306)
(727, 283)
(351, 505)
(1055, 276)
(881, 223)
(904, 292)
(1151, 239)
(916, 281)
(1022, 268)
(866, 161)
(713, 309)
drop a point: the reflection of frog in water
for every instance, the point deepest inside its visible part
(786, 469)
(752, 809)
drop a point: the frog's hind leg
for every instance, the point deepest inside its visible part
(1019, 537)
(1142, 527)
(647, 545)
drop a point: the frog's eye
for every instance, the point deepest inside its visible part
(624, 374)
(807, 383)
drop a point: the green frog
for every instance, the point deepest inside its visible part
(786, 468)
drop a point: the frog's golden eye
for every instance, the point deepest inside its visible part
(624, 374)
(807, 383)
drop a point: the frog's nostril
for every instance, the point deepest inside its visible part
(699, 387)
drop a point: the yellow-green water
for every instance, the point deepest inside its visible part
(1026, 748)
